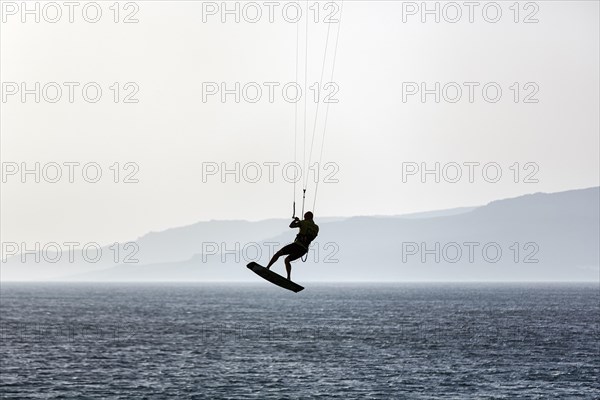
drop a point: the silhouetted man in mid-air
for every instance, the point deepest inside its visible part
(308, 232)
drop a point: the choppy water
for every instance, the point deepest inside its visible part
(418, 341)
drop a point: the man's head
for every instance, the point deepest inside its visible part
(308, 215)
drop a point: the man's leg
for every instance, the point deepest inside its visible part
(274, 259)
(288, 267)
(284, 250)
(296, 252)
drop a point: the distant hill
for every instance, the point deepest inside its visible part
(537, 237)
(438, 213)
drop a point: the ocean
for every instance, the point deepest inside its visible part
(331, 341)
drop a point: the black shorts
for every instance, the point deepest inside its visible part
(294, 250)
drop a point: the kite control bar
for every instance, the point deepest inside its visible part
(294, 205)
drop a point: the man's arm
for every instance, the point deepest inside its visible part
(295, 223)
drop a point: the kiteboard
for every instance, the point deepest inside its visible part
(274, 278)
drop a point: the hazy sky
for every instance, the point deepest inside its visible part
(171, 135)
